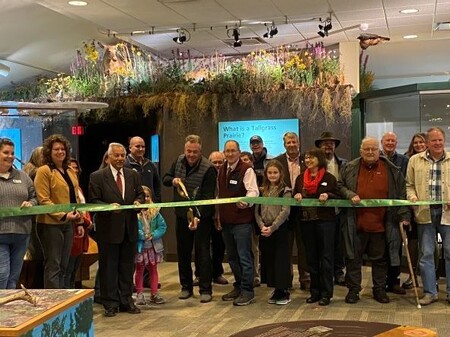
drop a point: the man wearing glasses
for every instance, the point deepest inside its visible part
(371, 230)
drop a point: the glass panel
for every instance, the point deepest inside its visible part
(398, 113)
(435, 110)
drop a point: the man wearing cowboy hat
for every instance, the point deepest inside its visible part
(328, 144)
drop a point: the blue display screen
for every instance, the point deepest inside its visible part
(270, 130)
(154, 148)
(15, 136)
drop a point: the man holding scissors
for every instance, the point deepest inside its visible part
(193, 177)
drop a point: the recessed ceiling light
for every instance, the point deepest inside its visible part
(413, 36)
(409, 11)
(77, 3)
(442, 26)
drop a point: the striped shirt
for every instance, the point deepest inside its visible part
(435, 182)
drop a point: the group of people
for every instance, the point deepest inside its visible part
(258, 239)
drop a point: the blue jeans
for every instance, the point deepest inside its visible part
(427, 244)
(12, 251)
(238, 244)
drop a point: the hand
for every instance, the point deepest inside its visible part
(115, 205)
(407, 224)
(298, 197)
(266, 231)
(242, 204)
(323, 197)
(194, 224)
(176, 182)
(355, 200)
(26, 204)
(136, 203)
(73, 216)
(79, 232)
(413, 198)
(217, 224)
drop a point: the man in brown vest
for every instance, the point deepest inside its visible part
(237, 179)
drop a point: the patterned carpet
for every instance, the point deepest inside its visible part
(189, 318)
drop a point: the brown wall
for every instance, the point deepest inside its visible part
(172, 145)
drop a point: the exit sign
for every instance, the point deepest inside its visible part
(77, 130)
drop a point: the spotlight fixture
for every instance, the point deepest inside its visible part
(273, 30)
(183, 36)
(235, 33)
(325, 27)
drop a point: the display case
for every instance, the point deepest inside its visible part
(405, 110)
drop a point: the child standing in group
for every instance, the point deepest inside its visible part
(271, 219)
(152, 228)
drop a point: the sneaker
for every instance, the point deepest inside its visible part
(276, 295)
(352, 297)
(244, 299)
(184, 294)
(272, 299)
(428, 299)
(324, 301)
(205, 298)
(408, 284)
(140, 299)
(232, 295)
(157, 299)
(285, 299)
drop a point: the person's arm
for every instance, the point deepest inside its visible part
(42, 184)
(169, 176)
(156, 184)
(410, 182)
(161, 227)
(251, 186)
(258, 217)
(284, 214)
(95, 189)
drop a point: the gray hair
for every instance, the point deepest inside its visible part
(111, 145)
(367, 138)
(193, 139)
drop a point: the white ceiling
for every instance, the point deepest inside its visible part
(44, 35)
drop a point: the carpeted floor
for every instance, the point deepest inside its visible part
(189, 318)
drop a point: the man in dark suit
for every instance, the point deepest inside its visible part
(293, 164)
(117, 231)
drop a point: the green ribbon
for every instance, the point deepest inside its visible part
(35, 210)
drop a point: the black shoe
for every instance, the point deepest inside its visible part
(220, 280)
(324, 301)
(352, 297)
(131, 309)
(313, 299)
(110, 312)
(381, 296)
(396, 289)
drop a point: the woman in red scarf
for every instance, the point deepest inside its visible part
(317, 224)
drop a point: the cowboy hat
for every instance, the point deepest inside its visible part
(327, 135)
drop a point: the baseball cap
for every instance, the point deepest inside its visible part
(256, 139)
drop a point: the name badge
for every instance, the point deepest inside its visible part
(324, 183)
(17, 181)
(233, 182)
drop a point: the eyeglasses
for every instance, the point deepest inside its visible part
(370, 149)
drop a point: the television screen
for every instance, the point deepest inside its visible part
(154, 148)
(270, 130)
(15, 136)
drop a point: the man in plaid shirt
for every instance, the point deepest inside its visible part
(428, 178)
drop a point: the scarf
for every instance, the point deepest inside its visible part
(311, 185)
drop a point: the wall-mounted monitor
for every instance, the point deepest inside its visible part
(270, 130)
(154, 148)
(15, 136)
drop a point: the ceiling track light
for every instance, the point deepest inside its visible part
(183, 36)
(325, 26)
(273, 30)
(235, 33)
